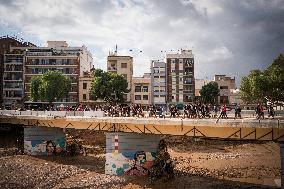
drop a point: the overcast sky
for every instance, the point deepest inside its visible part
(227, 36)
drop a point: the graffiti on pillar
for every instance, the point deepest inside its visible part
(130, 163)
(141, 165)
(43, 147)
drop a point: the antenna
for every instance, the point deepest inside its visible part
(115, 48)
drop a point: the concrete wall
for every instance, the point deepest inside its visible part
(44, 141)
(130, 153)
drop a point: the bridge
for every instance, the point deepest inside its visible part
(127, 136)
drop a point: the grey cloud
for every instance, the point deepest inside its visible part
(251, 31)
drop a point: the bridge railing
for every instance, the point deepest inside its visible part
(244, 113)
(52, 113)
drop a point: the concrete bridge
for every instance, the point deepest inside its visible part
(128, 137)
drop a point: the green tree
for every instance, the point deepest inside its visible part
(260, 86)
(210, 92)
(275, 74)
(36, 81)
(50, 86)
(109, 87)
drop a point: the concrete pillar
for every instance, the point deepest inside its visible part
(130, 153)
(44, 140)
(282, 164)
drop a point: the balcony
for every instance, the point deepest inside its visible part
(12, 79)
(12, 98)
(112, 68)
(12, 87)
(188, 73)
(52, 65)
(13, 68)
(14, 63)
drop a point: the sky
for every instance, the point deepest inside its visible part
(226, 36)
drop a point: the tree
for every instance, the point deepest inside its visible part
(260, 86)
(210, 92)
(254, 87)
(109, 87)
(36, 81)
(50, 86)
(275, 74)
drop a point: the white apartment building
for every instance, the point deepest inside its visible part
(159, 84)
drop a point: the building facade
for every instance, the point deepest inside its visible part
(159, 84)
(235, 97)
(85, 85)
(142, 90)
(199, 83)
(180, 77)
(32, 61)
(11, 71)
(225, 84)
(122, 65)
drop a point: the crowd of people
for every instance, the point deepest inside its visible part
(195, 110)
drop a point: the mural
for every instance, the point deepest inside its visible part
(44, 141)
(131, 163)
(130, 153)
(42, 147)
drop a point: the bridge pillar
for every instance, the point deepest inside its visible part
(130, 153)
(44, 140)
(282, 164)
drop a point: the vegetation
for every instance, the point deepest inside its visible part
(260, 86)
(49, 87)
(210, 92)
(109, 87)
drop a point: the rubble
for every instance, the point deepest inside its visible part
(198, 164)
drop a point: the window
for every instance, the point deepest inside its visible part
(138, 88)
(145, 97)
(84, 96)
(145, 89)
(137, 97)
(223, 87)
(84, 85)
(125, 97)
(123, 65)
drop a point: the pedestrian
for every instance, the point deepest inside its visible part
(271, 111)
(238, 111)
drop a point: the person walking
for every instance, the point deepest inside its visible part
(271, 111)
(238, 112)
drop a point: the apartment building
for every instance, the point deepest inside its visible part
(180, 77)
(122, 65)
(11, 71)
(225, 84)
(31, 61)
(159, 85)
(142, 90)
